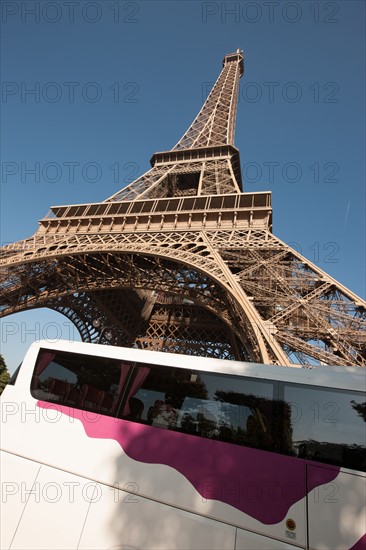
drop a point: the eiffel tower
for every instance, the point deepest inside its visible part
(182, 260)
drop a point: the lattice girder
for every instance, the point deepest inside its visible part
(190, 248)
(215, 123)
(216, 174)
(303, 303)
(209, 138)
(268, 278)
(90, 272)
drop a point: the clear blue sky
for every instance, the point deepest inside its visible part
(116, 81)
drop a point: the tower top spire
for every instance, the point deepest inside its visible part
(237, 56)
(215, 123)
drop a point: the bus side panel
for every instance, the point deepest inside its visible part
(246, 540)
(118, 519)
(336, 510)
(17, 480)
(13, 416)
(55, 512)
(104, 461)
(90, 445)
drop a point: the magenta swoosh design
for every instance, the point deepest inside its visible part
(261, 484)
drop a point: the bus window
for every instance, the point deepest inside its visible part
(203, 404)
(327, 425)
(80, 381)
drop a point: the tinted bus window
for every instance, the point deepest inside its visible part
(327, 425)
(80, 381)
(210, 405)
(304, 421)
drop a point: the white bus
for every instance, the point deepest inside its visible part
(110, 448)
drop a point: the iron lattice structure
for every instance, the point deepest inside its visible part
(182, 260)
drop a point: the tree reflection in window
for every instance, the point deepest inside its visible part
(328, 425)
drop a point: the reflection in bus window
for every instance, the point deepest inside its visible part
(204, 404)
(327, 426)
(80, 381)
